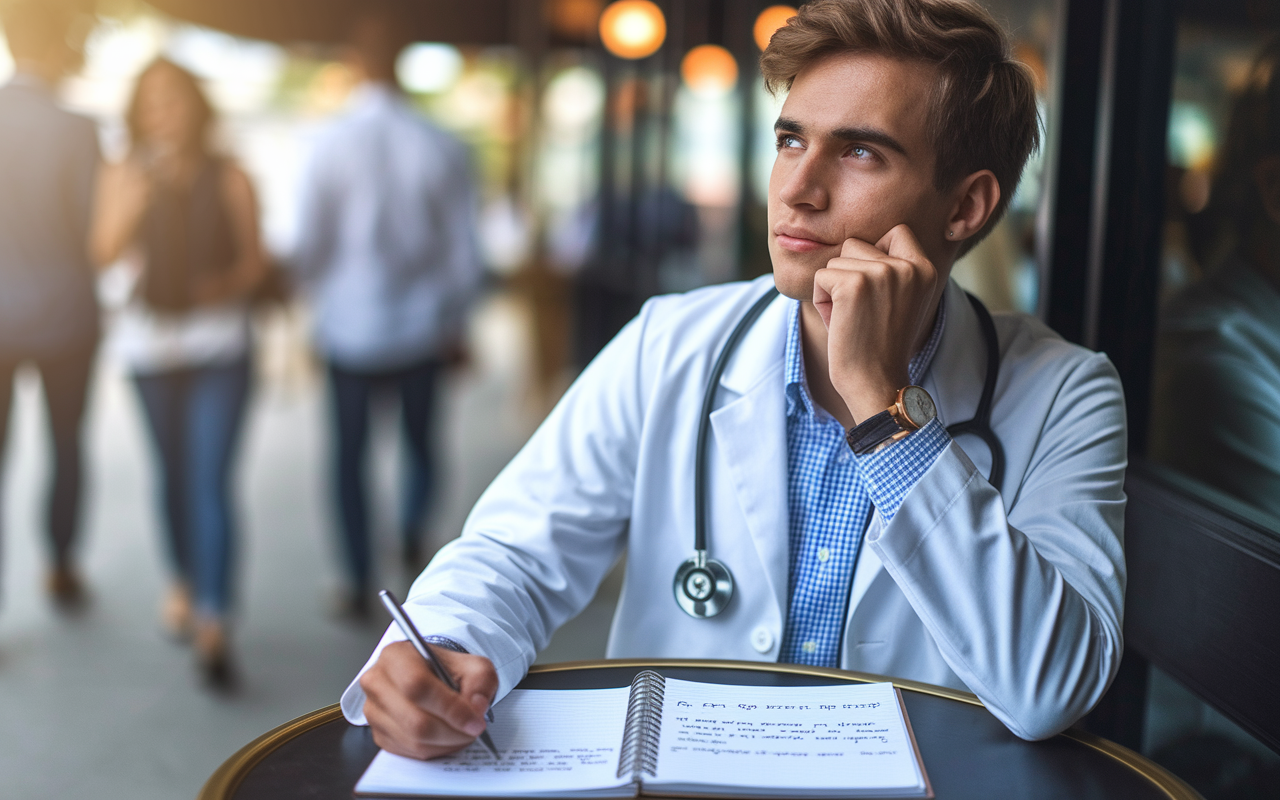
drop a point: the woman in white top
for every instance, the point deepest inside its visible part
(188, 221)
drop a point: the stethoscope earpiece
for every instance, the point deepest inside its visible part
(703, 586)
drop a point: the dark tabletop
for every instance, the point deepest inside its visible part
(967, 752)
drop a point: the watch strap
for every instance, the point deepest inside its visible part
(865, 436)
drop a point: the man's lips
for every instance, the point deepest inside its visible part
(798, 240)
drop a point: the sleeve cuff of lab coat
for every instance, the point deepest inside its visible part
(891, 473)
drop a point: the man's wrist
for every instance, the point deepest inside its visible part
(866, 398)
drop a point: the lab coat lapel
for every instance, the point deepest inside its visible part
(954, 380)
(750, 432)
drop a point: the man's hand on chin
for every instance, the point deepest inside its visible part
(875, 302)
(413, 714)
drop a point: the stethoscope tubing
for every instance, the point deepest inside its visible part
(708, 405)
(979, 425)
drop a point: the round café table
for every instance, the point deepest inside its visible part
(967, 752)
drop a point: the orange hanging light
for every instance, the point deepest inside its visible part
(770, 20)
(709, 68)
(633, 28)
(575, 19)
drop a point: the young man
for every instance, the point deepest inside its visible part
(902, 137)
(388, 255)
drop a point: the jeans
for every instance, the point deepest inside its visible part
(351, 393)
(194, 415)
(65, 378)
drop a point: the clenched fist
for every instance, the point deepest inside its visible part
(877, 303)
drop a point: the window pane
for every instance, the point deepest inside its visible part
(1216, 416)
(1216, 411)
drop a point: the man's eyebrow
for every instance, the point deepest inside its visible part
(868, 135)
(784, 125)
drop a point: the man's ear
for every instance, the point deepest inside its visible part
(976, 199)
(1266, 176)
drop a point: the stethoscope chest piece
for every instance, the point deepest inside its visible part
(703, 586)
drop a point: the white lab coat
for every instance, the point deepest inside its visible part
(1014, 593)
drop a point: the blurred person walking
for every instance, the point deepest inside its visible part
(48, 311)
(188, 221)
(389, 258)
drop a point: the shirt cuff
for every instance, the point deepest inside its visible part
(892, 472)
(447, 644)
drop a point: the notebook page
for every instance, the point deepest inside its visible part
(552, 742)
(850, 736)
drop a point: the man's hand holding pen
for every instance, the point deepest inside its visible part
(413, 713)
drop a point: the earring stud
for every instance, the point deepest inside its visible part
(950, 234)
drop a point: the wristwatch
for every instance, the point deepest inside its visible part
(912, 410)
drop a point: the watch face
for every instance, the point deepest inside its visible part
(918, 405)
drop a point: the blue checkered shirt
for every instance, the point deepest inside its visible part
(831, 494)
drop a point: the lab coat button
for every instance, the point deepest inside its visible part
(762, 639)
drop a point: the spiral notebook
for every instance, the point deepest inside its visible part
(668, 737)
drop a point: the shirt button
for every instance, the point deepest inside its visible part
(762, 639)
(823, 554)
(810, 647)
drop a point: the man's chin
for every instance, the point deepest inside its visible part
(793, 280)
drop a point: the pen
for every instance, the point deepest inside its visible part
(424, 649)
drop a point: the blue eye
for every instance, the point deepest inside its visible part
(861, 152)
(787, 140)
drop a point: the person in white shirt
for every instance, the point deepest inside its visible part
(860, 534)
(387, 253)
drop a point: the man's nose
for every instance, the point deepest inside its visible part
(805, 184)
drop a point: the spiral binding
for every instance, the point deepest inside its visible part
(639, 754)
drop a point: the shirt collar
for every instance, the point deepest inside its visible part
(371, 93)
(796, 385)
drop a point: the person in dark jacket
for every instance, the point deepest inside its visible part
(48, 310)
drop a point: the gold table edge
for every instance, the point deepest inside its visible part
(228, 777)
(763, 666)
(1173, 786)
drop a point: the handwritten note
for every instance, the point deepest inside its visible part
(561, 741)
(798, 737)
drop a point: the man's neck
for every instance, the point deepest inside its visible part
(817, 368)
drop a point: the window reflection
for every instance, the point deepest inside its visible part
(1217, 382)
(1216, 410)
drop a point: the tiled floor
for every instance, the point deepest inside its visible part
(102, 705)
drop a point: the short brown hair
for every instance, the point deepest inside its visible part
(983, 106)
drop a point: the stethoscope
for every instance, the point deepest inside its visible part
(704, 586)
